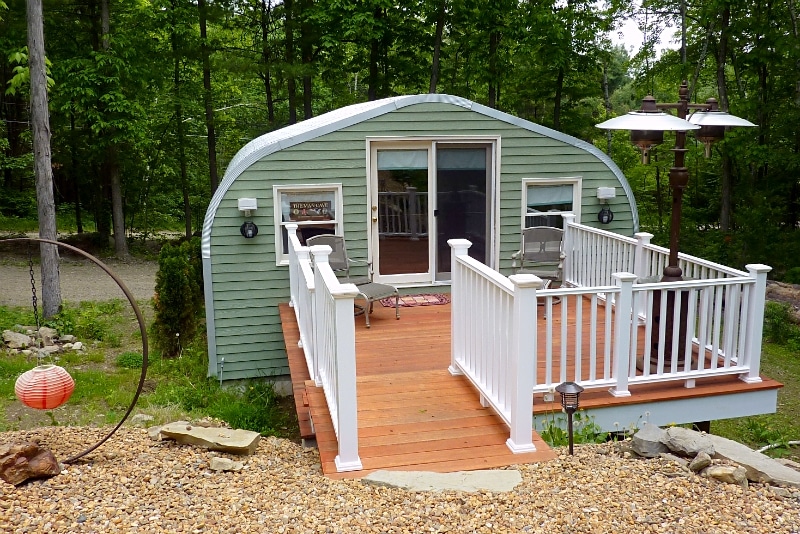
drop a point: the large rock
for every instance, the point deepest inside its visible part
(688, 442)
(224, 464)
(215, 439)
(759, 467)
(15, 340)
(471, 481)
(649, 441)
(23, 461)
(729, 474)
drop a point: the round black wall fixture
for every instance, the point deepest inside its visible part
(249, 229)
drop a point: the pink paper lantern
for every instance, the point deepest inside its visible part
(44, 387)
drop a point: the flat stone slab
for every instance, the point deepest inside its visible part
(234, 441)
(760, 467)
(469, 481)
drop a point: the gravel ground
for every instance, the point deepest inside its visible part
(133, 484)
(81, 280)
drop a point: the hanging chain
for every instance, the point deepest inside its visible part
(34, 299)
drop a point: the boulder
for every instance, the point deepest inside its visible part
(23, 461)
(48, 333)
(730, 474)
(649, 441)
(67, 339)
(688, 442)
(700, 462)
(233, 441)
(15, 340)
(218, 463)
(759, 467)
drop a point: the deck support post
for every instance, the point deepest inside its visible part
(521, 363)
(347, 459)
(458, 333)
(755, 321)
(623, 315)
(294, 280)
(567, 247)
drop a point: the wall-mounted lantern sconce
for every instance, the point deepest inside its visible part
(606, 215)
(249, 229)
(570, 391)
(247, 206)
(605, 193)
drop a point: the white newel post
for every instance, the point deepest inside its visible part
(458, 247)
(347, 459)
(755, 320)
(640, 263)
(522, 361)
(319, 253)
(291, 229)
(567, 248)
(623, 315)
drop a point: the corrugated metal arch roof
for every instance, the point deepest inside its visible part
(356, 113)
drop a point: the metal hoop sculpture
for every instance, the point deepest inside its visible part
(139, 318)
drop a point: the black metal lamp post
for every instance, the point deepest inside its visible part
(647, 127)
(570, 391)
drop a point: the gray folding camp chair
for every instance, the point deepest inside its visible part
(341, 263)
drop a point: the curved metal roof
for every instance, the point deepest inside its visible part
(356, 113)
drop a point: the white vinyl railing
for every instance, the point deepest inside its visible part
(324, 311)
(511, 338)
(403, 214)
(593, 255)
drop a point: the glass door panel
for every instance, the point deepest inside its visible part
(402, 212)
(462, 203)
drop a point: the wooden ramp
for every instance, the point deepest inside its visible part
(412, 414)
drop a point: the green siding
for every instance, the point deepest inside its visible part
(247, 285)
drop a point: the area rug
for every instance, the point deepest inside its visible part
(428, 299)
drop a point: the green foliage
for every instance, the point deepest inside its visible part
(90, 321)
(778, 325)
(130, 360)
(584, 429)
(792, 276)
(178, 299)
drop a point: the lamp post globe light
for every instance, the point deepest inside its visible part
(647, 126)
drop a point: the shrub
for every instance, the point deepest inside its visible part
(792, 276)
(778, 327)
(130, 360)
(178, 299)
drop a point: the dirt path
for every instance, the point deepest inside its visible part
(81, 280)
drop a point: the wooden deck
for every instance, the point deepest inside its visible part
(413, 415)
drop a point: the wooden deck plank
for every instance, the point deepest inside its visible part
(414, 415)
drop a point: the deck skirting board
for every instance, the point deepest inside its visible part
(675, 411)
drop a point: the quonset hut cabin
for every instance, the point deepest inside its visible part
(397, 178)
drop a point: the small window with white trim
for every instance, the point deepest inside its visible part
(545, 200)
(315, 209)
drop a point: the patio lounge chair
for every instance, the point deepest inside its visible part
(367, 289)
(541, 254)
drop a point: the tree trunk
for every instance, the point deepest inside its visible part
(307, 54)
(207, 99)
(111, 166)
(117, 211)
(557, 99)
(176, 88)
(42, 165)
(291, 86)
(607, 105)
(726, 202)
(266, 58)
(437, 46)
(374, 53)
(494, 41)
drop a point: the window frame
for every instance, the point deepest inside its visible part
(575, 181)
(281, 257)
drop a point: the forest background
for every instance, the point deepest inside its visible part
(150, 99)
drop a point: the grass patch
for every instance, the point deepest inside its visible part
(782, 363)
(107, 374)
